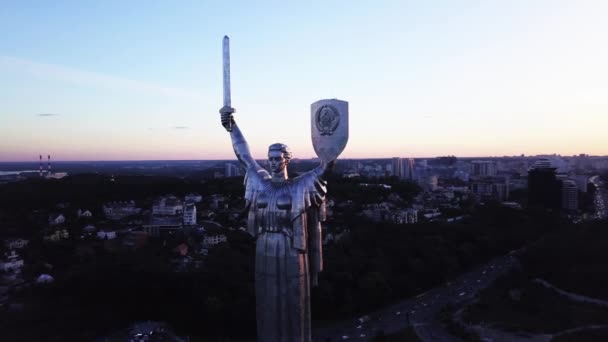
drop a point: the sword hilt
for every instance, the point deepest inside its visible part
(227, 118)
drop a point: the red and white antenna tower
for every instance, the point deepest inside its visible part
(40, 167)
(48, 165)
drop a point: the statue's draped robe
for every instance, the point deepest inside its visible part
(286, 219)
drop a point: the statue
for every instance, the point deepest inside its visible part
(285, 217)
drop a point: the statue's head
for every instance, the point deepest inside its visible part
(278, 157)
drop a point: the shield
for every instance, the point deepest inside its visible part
(329, 128)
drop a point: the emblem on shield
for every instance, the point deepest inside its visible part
(329, 128)
(327, 119)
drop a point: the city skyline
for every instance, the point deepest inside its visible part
(142, 81)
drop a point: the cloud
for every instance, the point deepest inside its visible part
(181, 127)
(91, 78)
(47, 114)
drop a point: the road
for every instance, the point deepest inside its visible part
(601, 197)
(420, 312)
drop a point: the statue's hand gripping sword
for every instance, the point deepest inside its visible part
(227, 110)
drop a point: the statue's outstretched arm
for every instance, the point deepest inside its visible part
(239, 144)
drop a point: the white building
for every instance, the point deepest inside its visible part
(168, 206)
(106, 235)
(119, 210)
(212, 240)
(408, 216)
(193, 197)
(190, 214)
(16, 243)
(12, 262)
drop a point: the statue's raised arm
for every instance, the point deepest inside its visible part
(239, 144)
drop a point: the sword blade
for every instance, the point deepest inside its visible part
(226, 62)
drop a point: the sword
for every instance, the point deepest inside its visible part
(227, 110)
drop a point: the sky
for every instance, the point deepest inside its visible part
(142, 80)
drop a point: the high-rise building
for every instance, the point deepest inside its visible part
(190, 214)
(494, 188)
(582, 181)
(569, 195)
(544, 188)
(409, 169)
(403, 168)
(397, 166)
(230, 170)
(483, 168)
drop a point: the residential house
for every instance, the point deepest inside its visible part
(57, 235)
(89, 229)
(161, 225)
(85, 213)
(56, 219)
(120, 209)
(407, 216)
(44, 279)
(168, 206)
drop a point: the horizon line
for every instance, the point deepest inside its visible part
(294, 159)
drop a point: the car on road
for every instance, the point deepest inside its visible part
(462, 294)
